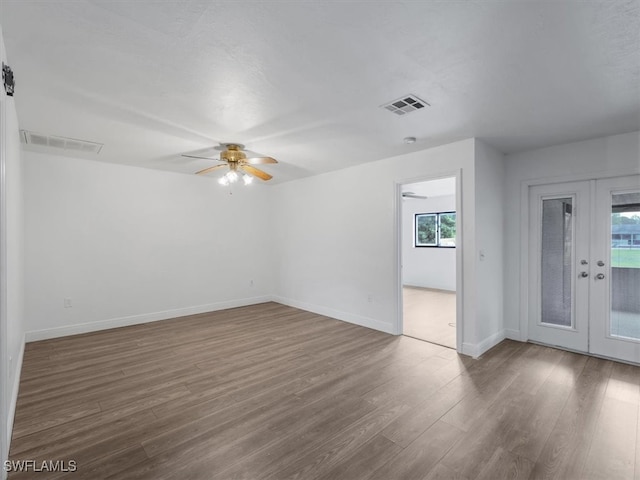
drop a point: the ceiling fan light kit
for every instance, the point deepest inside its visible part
(240, 166)
(229, 177)
(233, 177)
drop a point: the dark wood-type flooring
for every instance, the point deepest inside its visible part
(272, 392)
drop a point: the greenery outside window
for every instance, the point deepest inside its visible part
(435, 229)
(625, 235)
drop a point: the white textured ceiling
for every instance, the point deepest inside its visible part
(303, 81)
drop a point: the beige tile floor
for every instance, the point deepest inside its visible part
(430, 315)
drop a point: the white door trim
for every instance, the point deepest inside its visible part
(5, 387)
(398, 327)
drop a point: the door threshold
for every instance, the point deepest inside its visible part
(588, 354)
(428, 341)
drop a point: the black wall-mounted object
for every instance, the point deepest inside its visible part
(7, 77)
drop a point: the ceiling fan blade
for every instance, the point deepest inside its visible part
(255, 172)
(211, 169)
(202, 158)
(413, 195)
(260, 160)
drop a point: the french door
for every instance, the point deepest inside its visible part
(584, 266)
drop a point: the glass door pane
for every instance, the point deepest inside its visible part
(556, 261)
(625, 266)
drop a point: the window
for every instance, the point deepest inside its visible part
(435, 229)
(625, 231)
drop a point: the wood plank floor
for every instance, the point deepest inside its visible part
(272, 392)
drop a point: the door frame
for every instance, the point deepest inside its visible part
(5, 387)
(524, 233)
(457, 174)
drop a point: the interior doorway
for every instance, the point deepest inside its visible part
(429, 233)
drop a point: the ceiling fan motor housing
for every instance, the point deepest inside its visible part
(233, 154)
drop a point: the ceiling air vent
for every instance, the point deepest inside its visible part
(406, 104)
(82, 146)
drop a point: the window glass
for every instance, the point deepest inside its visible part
(435, 229)
(426, 229)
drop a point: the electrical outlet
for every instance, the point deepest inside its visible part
(370, 298)
(67, 303)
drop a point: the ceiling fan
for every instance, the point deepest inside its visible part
(239, 164)
(413, 195)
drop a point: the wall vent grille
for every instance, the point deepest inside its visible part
(405, 104)
(72, 144)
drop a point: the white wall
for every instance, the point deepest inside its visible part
(489, 250)
(127, 245)
(12, 256)
(336, 239)
(601, 157)
(427, 267)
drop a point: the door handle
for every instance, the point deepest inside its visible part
(600, 276)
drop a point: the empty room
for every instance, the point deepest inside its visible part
(269, 240)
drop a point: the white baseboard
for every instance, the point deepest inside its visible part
(476, 349)
(337, 314)
(66, 330)
(35, 335)
(514, 335)
(470, 349)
